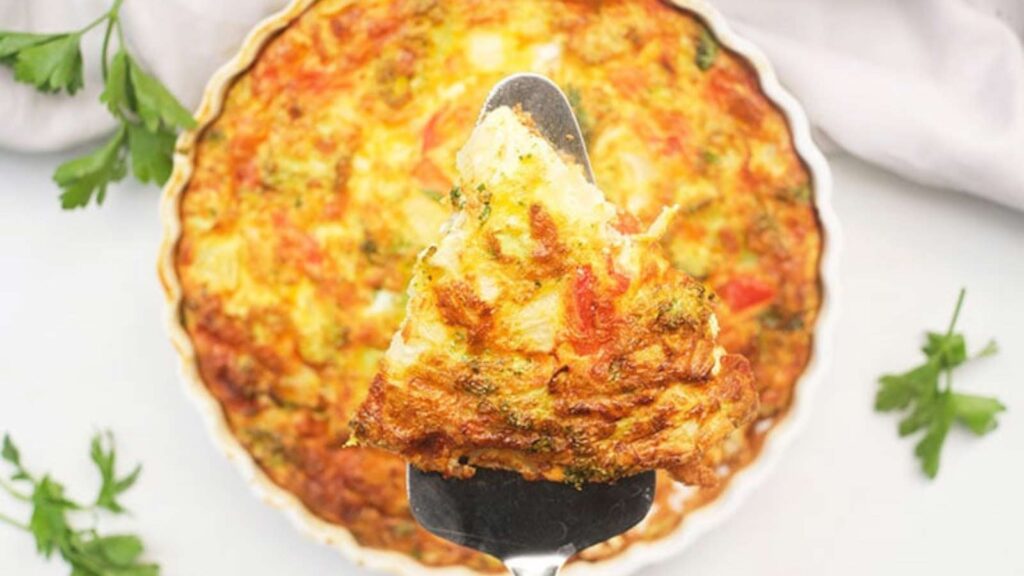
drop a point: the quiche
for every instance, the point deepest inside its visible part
(321, 169)
(542, 338)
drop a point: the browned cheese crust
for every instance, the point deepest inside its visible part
(328, 170)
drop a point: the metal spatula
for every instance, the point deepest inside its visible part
(550, 109)
(533, 527)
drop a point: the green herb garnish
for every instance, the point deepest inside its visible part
(709, 158)
(485, 197)
(432, 194)
(707, 50)
(50, 62)
(455, 195)
(148, 114)
(85, 550)
(934, 407)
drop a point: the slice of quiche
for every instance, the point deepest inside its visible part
(544, 336)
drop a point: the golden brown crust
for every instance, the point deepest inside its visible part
(282, 221)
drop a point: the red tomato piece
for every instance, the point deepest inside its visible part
(431, 132)
(584, 301)
(429, 176)
(744, 292)
(592, 320)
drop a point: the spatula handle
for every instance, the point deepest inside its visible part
(539, 565)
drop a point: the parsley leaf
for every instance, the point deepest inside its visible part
(88, 176)
(116, 89)
(49, 523)
(897, 391)
(934, 408)
(151, 153)
(949, 350)
(990, 349)
(50, 63)
(12, 43)
(102, 454)
(926, 406)
(149, 115)
(10, 452)
(156, 106)
(929, 449)
(86, 551)
(978, 413)
(121, 550)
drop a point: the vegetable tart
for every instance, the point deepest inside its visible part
(323, 164)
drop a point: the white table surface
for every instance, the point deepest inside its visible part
(84, 348)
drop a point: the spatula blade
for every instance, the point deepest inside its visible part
(551, 111)
(501, 514)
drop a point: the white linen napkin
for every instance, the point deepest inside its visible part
(930, 89)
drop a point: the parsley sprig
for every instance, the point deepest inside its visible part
(86, 551)
(148, 114)
(933, 405)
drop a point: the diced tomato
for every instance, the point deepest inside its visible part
(431, 137)
(584, 300)
(296, 245)
(248, 174)
(736, 92)
(381, 29)
(621, 280)
(745, 292)
(673, 145)
(429, 176)
(592, 320)
(673, 139)
(630, 81)
(447, 125)
(306, 80)
(729, 241)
